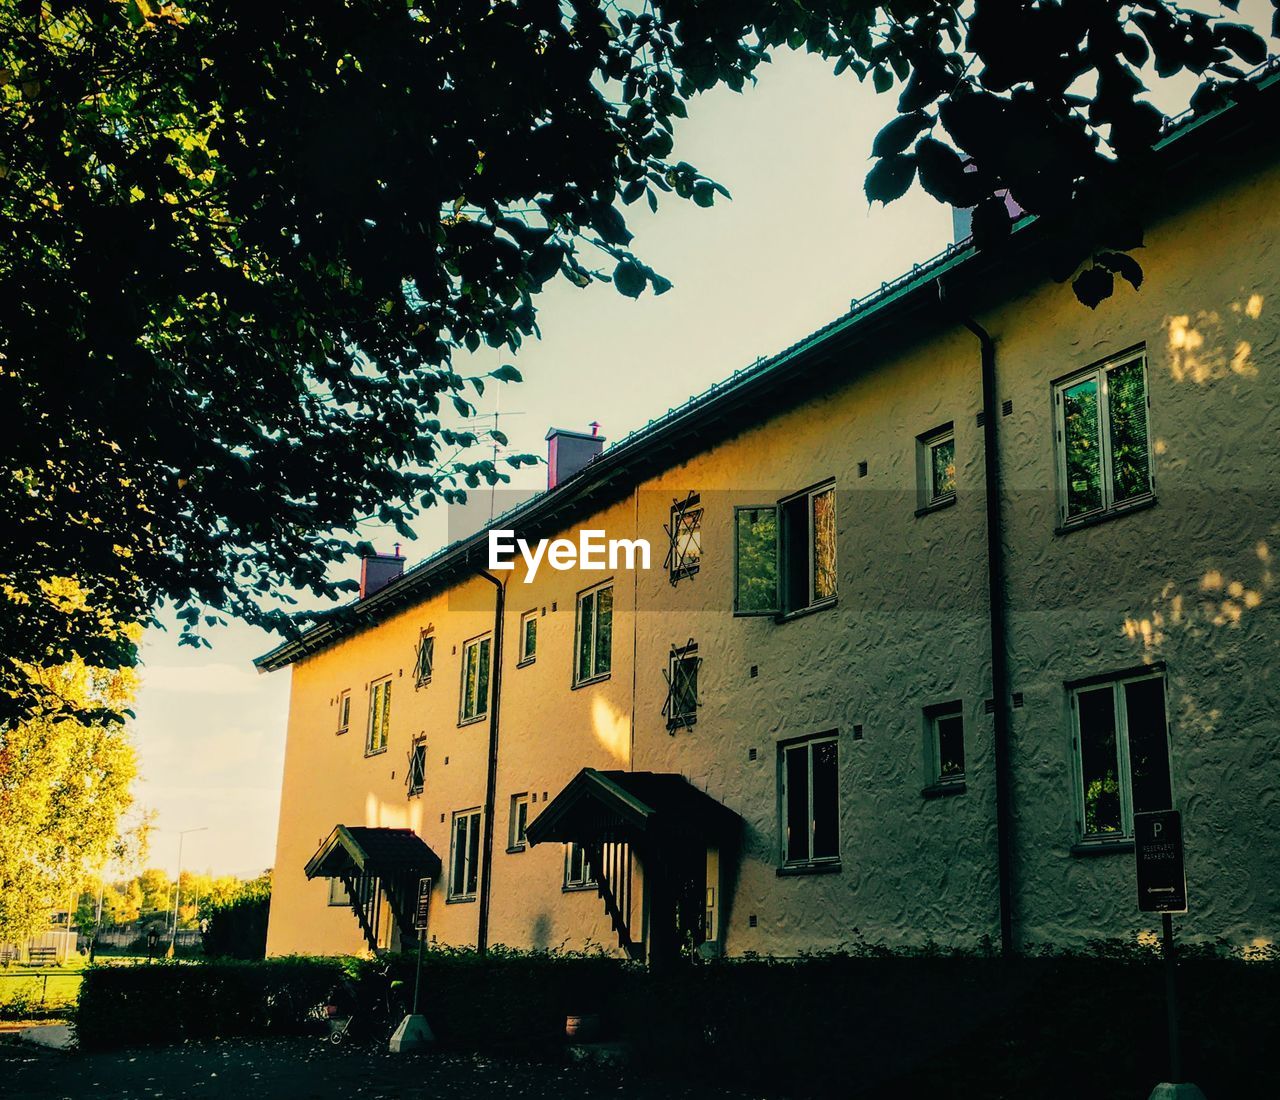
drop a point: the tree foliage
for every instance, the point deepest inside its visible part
(64, 786)
(243, 245)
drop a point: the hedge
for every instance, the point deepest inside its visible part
(883, 1025)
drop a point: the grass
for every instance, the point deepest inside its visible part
(44, 992)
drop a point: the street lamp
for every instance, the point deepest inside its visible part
(177, 887)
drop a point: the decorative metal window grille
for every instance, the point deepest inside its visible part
(425, 658)
(681, 707)
(684, 538)
(415, 774)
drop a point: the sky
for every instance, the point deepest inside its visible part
(797, 242)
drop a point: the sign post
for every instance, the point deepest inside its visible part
(414, 1033)
(1162, 888)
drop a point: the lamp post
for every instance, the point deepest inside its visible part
(177, 888)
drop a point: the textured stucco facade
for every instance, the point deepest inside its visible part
(1186, 585)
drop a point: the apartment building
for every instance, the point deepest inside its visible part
(939, 598)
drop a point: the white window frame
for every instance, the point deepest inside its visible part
(528, 656)
(933, 744)
(685, 531)
(586, 881)
(426, 643)
(379, 716)
(482, 702)
(925, 446)
(470, 873)
(338, 895)
(1101, 372)
(808, 744)
(417, 751)
(1124, 777)
(592, 677)
(344, 711)
(814, 601)
(516, 840)
(677, 656)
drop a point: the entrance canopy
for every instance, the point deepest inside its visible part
(664, 823)
(653, 806)
(374, 864)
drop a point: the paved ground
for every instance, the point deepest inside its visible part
(302, 1069)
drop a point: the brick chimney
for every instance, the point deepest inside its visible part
(379, 570)
(568, 452)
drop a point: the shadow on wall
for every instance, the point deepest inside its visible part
(540, 935)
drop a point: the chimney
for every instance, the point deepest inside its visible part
(568, 452)
(379, 570)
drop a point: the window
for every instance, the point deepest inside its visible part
(1121, 744)
(684, 553)
(936, 451)
(945, 744)
(810, 802)
(475, 680)
(344, 712)
(425, 658)
(785, 556)
(516, 841)
(528, 637)
(379, 716)
(1104, 460)
(415, 776)
(755, 553)
(338, 893)
(594, 634)
(681, 707)
(577, 875)
(464, 856)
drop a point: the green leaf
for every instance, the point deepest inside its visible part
(506, 373)
(881, 79)
(1243, 41)
(1093, 285)
(889, 178)
(899, 133)
(629, 278)
(1125, 266)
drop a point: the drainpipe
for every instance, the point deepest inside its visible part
(491, 776)
(998, 625)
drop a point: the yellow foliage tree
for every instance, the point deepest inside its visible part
(64, 786)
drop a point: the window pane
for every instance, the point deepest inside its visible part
(459, 876)
(950, 747)
(473, 852)
(586, 631)
(1083, 460)
(826, 799)
(824, 544)
(943, 469)
(686, 683)
(1148, 745)
(469, 681)
(482, 678)
(385, 724)
(688, 540)
(1127, 405)
(797, 808)
(530, 637)
(756, 567)
(794, 516)
(604, 631)
(1098, 761)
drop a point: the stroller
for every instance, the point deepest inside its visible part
(367, 1009)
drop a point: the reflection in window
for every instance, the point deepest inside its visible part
(1104, 453)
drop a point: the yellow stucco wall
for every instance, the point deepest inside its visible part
(1189, 582)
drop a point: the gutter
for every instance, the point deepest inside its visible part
(998, 625)
(491, 774)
